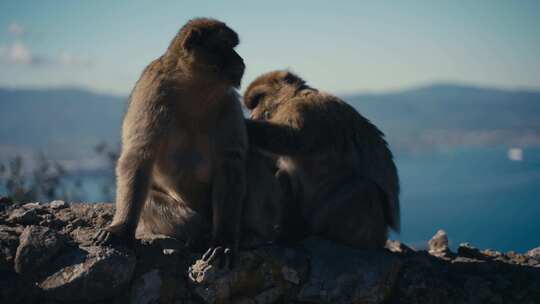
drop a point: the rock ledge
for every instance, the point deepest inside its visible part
(46, 257)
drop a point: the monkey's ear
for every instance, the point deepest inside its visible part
(192, 38)
(291, 78)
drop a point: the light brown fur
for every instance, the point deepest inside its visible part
(181, 171)
(342, 171)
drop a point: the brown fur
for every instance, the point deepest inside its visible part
(346, 179)
(181, 171)
(267, 201)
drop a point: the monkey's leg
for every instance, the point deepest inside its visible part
(261, 210)
(229, 157)
(133, 176)
(352, 215)
(164, 215)
(293, 223)
(228, 193)
(271, 213)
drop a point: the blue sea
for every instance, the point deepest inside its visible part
(476, 195)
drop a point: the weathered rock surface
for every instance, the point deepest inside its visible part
(46, 257)
(95, 273)
(398, 247)
(267, 274)
(38, 245)
(438, 245)
(9, 240)
(339, 274)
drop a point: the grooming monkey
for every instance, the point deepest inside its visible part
(181, 171)
(343, 174)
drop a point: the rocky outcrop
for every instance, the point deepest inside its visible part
(46, 256)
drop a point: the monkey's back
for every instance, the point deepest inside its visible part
(354, 149)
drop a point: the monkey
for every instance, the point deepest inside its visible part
(181, 170)
(341, 168)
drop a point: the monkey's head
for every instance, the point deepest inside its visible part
(206, 48)
(264, 95)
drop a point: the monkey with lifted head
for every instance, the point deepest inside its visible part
(181, 171)
(343, 174)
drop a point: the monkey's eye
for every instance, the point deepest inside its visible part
(266, 114)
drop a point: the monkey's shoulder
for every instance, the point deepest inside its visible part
(317, 110)
(341, 113)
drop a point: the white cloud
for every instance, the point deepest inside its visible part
(20, 53)
(17, 53)
(68, 59)
(16, 29)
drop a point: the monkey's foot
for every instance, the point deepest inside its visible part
(107, 238)
(223, 256)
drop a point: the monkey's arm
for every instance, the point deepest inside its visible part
(133, 172)
(277, 138)
(145, 120)
(229, 176)
(296, 130)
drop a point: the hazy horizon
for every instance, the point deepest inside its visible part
(403, 89)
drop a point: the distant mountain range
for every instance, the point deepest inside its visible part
(446, 116)
(66, 124)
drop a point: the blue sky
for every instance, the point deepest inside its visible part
(339, 46)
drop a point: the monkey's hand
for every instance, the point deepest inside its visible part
(114, 236)
(221, 255)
